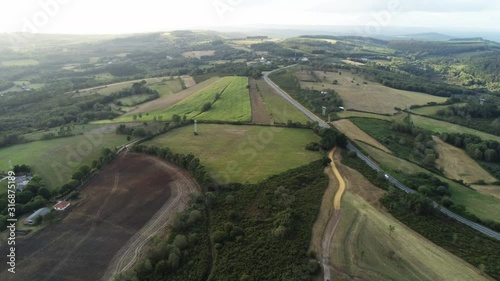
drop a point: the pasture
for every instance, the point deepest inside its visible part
(456, 164)
(242, 153)
(441, 127)
(369, 97)
(364, 248)
(432, 110)
(56, 160)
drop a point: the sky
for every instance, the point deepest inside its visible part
(132, 16)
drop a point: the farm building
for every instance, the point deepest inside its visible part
(61, 205)
(22, 182)
(40, 212)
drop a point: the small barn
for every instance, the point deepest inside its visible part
(38, 213)
(61, 205)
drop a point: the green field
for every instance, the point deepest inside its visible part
(364, 247)
(26, 62)
(440, 127)
(166, 87)
(432, 110)
(56, 160)
(280, 109)
(242, 153)
(233, 104)
(483, 206)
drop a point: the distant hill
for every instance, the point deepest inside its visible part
(430, 36)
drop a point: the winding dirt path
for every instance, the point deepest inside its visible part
(340, 192)
(333, 222)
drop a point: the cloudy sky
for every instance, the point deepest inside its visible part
(113, 16)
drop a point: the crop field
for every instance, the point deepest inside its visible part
(232, 105)
(115, 206)
(363, 247)
(456, 164)
(26, 62)
(242, 153)
(355, 133)
(440, 127)
(163, 85)
(260, 113)
(280, 109)
(56, 160)
(192, 106)
(482, 205)
(369, 97)
(198, 54)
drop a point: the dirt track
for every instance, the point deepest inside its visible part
(333, 222)
(130, 200)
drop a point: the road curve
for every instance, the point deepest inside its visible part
(374, 166)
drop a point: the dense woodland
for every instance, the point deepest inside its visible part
(217, 236)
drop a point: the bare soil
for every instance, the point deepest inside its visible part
(115, 206)
(260, 114)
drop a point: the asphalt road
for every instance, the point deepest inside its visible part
(373, 165)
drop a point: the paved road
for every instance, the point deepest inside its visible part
(374, 166)
(406, 189)
(292, 101)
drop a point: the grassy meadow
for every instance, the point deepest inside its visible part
(242, 153)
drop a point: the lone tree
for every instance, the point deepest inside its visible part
(206, 107)
(391, 229)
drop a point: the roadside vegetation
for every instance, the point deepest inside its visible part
(416, 211)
